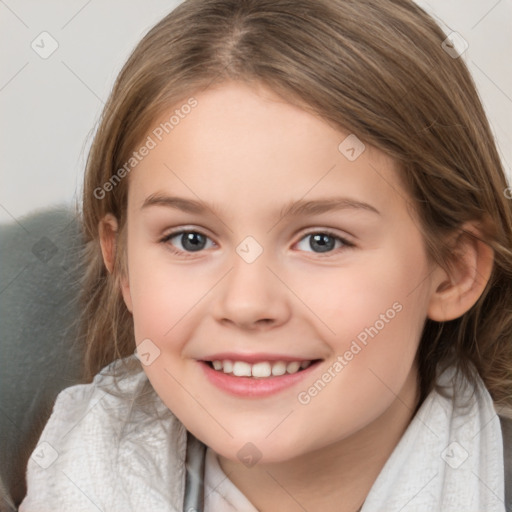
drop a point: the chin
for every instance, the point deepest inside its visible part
(256, 450)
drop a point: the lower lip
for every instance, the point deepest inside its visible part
(255, 387)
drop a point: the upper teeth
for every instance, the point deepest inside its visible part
(262, 369)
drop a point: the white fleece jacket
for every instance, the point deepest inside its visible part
(101, 453)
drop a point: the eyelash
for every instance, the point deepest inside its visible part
(187, 254)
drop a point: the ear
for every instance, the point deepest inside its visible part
(456, 290)
(108, 231)
(108, 240)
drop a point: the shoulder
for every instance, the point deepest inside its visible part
(103, 438)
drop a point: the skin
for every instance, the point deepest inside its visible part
(247, 153)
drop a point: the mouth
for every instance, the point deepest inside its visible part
(259, 369)
(259, 378)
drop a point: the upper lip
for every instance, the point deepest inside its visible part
(255, 358)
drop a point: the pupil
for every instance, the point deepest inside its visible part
(325, 242)
(192, 241)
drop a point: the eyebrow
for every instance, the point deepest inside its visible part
(293, 208)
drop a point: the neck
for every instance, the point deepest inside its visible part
(335, 478)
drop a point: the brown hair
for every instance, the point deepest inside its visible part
(375, 68)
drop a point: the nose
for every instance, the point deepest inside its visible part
(251, 297)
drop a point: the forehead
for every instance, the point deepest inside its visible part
(248, 147)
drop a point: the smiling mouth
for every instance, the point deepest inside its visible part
(260, 370)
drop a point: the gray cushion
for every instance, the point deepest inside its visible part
(39, 352)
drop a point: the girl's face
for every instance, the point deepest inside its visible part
(258, 233)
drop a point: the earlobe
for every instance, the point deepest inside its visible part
(108, 240)
(457, 290)
(125, 290)
(108, 231)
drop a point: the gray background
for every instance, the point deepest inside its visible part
(50, 107)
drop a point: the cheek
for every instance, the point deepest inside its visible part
(372, 315)
(349, 300)
(158, 292)
(163, 298)
(377, 314)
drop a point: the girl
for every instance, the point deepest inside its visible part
(298, 278)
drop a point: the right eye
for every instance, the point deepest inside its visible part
(324, 241)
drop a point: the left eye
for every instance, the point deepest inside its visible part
(191, 241)
(322, 242)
